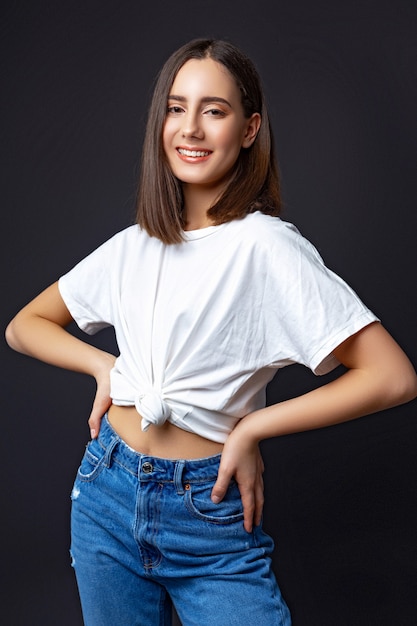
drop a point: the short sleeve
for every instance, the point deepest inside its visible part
(86, 289)
(309, 309)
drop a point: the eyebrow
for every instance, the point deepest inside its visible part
(206, 99)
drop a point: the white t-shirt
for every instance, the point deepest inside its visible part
(202, 326)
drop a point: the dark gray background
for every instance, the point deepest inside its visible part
(341, 82)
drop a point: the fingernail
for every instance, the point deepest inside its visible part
(93, 433)
(215, 499)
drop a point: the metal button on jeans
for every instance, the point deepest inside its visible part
(147, 467)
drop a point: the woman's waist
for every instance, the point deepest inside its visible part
(164, 441)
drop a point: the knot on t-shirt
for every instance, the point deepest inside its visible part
(152, 408)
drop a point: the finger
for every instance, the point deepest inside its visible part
(94, 424)
(220, 487)
(259, 492)
(248, 503)
(259, 502)
(97, 413)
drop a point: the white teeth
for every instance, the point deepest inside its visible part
(193, 153)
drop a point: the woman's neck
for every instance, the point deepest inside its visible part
(197, 201)
(197, 221)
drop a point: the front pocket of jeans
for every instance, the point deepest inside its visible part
(92, 462)
(200, 505)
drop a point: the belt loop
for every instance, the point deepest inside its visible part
(109, 451)
(178, 471)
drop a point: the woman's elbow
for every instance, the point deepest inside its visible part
(404, 386)
(10, 335)
(410, 391)
(15, 332)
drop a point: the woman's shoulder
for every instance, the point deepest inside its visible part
(272, 232)
(127, 234)
(277, 241)
(114, 249)
(269, 225)
(124, 239)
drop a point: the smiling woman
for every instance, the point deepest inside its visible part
(233, 91)
(209, 294)
(204, 132)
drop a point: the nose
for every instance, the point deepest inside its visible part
(191, 126)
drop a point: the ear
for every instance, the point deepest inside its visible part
(253, 125)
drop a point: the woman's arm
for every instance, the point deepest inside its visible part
(38, 330)
(379, 376)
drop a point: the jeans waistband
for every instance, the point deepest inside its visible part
(150, 468)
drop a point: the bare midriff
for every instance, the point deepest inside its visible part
(166, 441)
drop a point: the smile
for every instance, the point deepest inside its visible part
(193, 153)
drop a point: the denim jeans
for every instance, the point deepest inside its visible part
(145, 533)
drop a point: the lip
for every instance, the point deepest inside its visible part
(193, 154)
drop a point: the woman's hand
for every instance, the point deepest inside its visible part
(102, 400)
(242, 460)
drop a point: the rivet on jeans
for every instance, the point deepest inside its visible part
(147, 467)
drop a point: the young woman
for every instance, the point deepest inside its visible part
(209, 294)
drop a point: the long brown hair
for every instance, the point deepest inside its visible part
(254, 181)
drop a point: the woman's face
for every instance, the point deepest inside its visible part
(205, 127)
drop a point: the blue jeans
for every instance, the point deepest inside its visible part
(145, 533)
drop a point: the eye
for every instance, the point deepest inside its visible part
(174, 109)
(215, 112)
